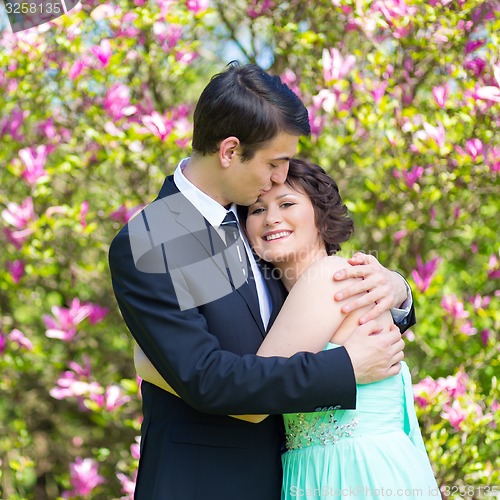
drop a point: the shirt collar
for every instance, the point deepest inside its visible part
(213, 211)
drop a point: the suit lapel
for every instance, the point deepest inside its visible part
(192, 220)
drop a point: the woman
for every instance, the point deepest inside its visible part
(375, 451)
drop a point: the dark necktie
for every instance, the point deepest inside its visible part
(231, 229)
(232, 232)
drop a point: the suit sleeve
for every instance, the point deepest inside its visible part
(208, 378)
(405, 318)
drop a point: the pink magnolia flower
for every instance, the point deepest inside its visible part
(475, 65)
(103, 52)
(34, 160)
(440, 94)
(197, 6)
(412, 176)
(378, 91)
(494, 159)
(493, 268)
(62, 325)
(435, 133)
(96, 313)
(479, 302)
(71, 386)
(467, 328)
(433, 214)
(19, 216)
(47, 128)
(453, 385)
(316, 121)
(124, 214)
(425, 392)
(84, 477)
(16, 270)
(336, 67)
(290, 78)
(76, 68)
(485, 336)
(84, 209)
(167, 34)
(77, 384)
(393, 11)
(399, 235)
(474, 148)
(135, 448)
(158, 125)
(473, 45)
(18, 337)
(11, 124)
(186, 56)
(3, 343)
(112, 399)
(487, 93)
(128, 29)
(117, 102)
(18, 238)
(128, 484)
(259, 8)
(454, 414)
(424, 272)
(454, 307)
(82, 370)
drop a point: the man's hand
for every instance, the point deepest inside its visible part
(375, 355)
(386, 289)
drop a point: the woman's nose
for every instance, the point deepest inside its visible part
(273, 216)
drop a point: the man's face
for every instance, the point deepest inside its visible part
(249, 179)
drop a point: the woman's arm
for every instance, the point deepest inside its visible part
(148, 372)
(310, 317)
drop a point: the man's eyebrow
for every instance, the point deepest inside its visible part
(282, 158)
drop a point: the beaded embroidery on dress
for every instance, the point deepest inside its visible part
(373, 452)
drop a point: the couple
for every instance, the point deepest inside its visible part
(202, 337)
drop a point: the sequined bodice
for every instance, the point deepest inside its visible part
(379, 410)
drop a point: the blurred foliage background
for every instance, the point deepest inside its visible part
(96, 108)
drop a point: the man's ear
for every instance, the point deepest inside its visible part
(227, 150)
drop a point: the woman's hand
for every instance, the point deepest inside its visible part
(383, 288)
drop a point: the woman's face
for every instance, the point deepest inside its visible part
(281, 226)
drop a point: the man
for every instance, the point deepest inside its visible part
(201, 332)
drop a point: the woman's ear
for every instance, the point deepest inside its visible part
(227, 150)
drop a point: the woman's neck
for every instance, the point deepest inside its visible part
(291, 270)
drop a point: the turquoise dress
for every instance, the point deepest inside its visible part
(373, 452)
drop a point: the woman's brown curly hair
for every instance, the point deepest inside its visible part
(332, 219)
(331, 216)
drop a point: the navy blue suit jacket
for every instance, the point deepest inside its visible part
(190, 449)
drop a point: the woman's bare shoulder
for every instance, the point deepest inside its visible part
(330, 263)
(325, 268)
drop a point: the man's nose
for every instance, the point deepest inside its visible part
(279, 174)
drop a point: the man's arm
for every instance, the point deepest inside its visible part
(149, 373)
(210, 379)
(387, 290)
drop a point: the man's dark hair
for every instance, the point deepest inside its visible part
(247, 103)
